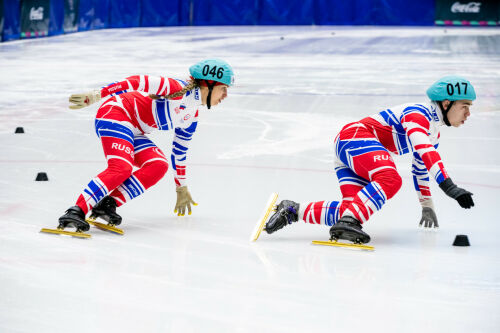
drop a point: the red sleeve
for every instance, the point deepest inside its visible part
(156, 85)
(131, 83)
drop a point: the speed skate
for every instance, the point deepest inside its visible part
(81, 234)
(270, 207)
(340, 244)
(61, 231)
(106, 227)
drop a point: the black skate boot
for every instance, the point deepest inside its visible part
(286, 213)
(106, 210)
(74, 217)
(349, 228)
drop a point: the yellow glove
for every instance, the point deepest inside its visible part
(183, 199)
(85, 99)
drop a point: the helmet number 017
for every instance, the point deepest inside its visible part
(219, 72)
(450, 88)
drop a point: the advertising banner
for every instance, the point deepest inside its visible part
(479, 12)
(70, 15)
(35, 17)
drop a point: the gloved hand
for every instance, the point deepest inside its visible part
(429, 218)
(463, 197)
(85, 99)
(183, 199)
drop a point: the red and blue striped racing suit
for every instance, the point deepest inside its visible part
(123, 121)
(365, 168)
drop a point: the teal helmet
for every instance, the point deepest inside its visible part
(213, 70)
(452, 88)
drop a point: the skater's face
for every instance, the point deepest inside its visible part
(459, 112)
(219, 92)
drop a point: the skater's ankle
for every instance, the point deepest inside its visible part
(350, 219)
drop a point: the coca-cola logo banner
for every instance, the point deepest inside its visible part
(35, 17)
(471, 7)
(479, 12)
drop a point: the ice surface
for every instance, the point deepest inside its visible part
(273, 133)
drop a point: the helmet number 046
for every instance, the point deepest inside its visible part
(215, 71)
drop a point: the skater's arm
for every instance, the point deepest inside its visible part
(153, 85)
(421, 182)
(420, 179)
(417, 127)
(180, 145)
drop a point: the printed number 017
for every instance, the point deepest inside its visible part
(450, 89)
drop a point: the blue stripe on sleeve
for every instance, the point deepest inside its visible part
(160, 115)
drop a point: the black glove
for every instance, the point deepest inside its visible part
(463, 197)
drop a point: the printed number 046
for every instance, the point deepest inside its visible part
(219, 72)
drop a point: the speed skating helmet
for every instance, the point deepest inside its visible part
(213, 70)
(452, 88)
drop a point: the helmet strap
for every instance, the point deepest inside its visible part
(209, 96)
(445, 112)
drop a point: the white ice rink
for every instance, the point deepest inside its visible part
(274, 132)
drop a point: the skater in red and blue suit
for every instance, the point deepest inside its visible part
(132, 109)
(367, 173)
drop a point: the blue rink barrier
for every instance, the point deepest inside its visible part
(38, 18)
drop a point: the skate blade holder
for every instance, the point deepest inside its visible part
(347, 245)
(60, 231)
(106, 227)
(270, 207)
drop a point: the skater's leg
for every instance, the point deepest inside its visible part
(328, 212)
(152, 165)
(374, 163)
(117, 143)
(320, 212)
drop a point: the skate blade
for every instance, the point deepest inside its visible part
(105, 227)
(262, 221)
(349, 245)
(79, 234)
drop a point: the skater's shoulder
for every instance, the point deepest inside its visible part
(426, 108)
(423, 106)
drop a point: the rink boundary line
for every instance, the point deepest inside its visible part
(263, 167)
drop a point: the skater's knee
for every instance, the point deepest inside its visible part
(119, 169)
(390, 181)
(154, 170)
(161, 168)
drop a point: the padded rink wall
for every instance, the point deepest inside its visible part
(40, 18)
